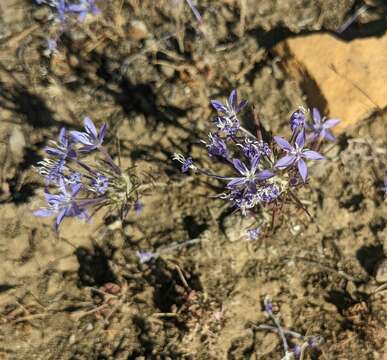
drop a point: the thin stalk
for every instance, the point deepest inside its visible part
(109, 160)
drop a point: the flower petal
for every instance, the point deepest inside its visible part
(285, 161)
(316, 116)
(82, 16)
(233, 99)
(313, 155)
(264, 175)
(102, 132)
(87, 148)
(218, 106)
(236, 182)
(194, 10)
(300, 139)
(330, 123)
(255, 162)
(76, 8)
(90, 127)
(43, 212)
(81, 137)
(62, 136)
(326, 134)
(240, 166)
(53, 151)
(302, 169)
(59, 219)
(241, 105)
(282, 143)
(75, 189)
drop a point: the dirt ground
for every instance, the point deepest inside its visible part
(148, 69)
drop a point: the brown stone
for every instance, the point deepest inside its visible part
(346, 80)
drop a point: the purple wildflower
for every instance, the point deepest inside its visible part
(84, 8)
(232, 106)
(268, 193)
(253, 234)
(62, 9)
(228, 121)
(186, 165)
(297, 350)
(100, 184)
(320, 127)
(217, 146)
(63, 204)
(138, 207)
(296, 154)
(63, 148)
(229, 126)
(249, 176)
(252, 148)
(92, 139)
(74, 178)
(268, 305)
(146, 256)
(52, 170)
(297, 120)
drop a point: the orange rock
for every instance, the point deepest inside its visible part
(345, 80)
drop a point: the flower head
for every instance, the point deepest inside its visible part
(252, 148)
(296, 154)
(52, 170)
(73, 178)
(297, 120)
(320, 127)
(100, 184)
(62, 204)
(253, 234)
(146, 256)
(92, 139)
(249, 176)
(228, 121)
(63, 148)
(138, 207)
(186, 163)
(217, 146)
(84, 8)
(232, 106)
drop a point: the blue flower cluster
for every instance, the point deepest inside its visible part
(262, 172)
(64, 8)
(74, 183)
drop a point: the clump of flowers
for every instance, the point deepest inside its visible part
(63, 11)
(76, 182)
(263, 173)
(66, 8)
(301, 342)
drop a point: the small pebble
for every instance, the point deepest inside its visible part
(138, 30)
(17, 143)
(381, 272)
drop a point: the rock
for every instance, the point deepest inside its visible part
(138, 30)
(68, 264)
(41, 13)
(17, 143)
(381, 272)
(346, 80)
